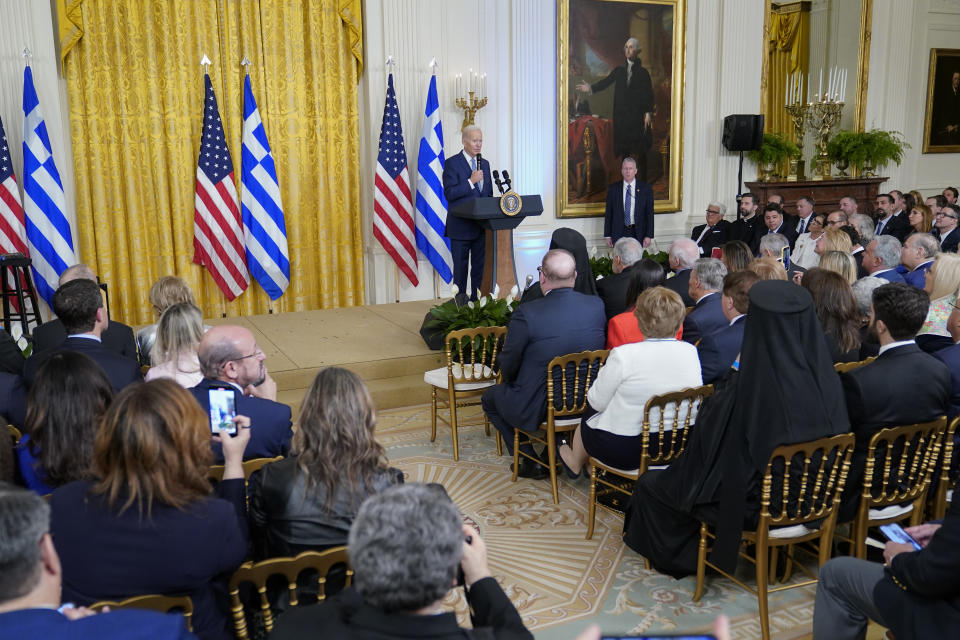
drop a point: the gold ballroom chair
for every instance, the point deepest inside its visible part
(152, 602)
(249, 466)
(938, 507)
(844, 367)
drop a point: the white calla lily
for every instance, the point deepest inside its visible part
(454, 290)
(514, 290)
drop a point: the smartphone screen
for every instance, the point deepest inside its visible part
(895, 533)
(223, 409)
(785, 258)
(717, 253)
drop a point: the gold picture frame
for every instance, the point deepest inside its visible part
(591, 34)
(941, 129)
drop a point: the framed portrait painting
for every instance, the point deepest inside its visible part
(941, 131)
(620, 85)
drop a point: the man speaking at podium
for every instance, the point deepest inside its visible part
(466, 175)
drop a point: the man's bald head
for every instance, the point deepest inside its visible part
(230, 352)
(558, 270)
(77, 272)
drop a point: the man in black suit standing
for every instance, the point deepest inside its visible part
(946, 228)
(715, 232)
(706, 282)
(889, 224)
(79, 306)
(116, 336)
(683, 255)
(629, 211)
(613, 288)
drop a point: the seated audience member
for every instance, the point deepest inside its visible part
(849, 206)
(563, 322)
(775, 198)
(863, 293)
(881, 257)
(405, 548)
(950, 193)
(913, 594)
(837, 219)
(803, 249)
(717, 477)
(308, 500)
(229, 356)
(79, 305)
(13, 399)
(840, 263)
(921, 219)
(165, 292)
(64, 408)
(837, 311)
(911, 199)
(117, 337)
(950, 356)
(833, 240)
(147, 522)
(889, 220)
(610, 430)
(745, 225)
(175, 342)
(683, 255)
(935, 203)
(622, 328)
(768, 269)
(714, 232)
(864, 226)
(877, 394)
(31, 579)
(719, 350)
(772, 245)
(917, 256)
(773, 223)
(575, 244)
(11, 357)
(735, 255)
(942, 282)
(613, 288)
(706, 281)
(946, 228)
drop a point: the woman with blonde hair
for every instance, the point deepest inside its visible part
(174, 353)
(768, 269)
(942, 283)
(308, 500)
(920, 218)
(165, 292)
(840, 262)
(833, 240)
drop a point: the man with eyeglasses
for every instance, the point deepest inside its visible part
(947, 232)
(230, 358)
(836, 219)
(715, 232)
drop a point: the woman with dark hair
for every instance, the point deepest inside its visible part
(920, 219)
(803, 249)
(574, 242)
(623, 328)
(736, 255)
(147, 521)
(837, 311)
(69, 396)
(308, 500)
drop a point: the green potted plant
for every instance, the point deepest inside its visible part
(866, 150)
(773, 151)
(458, 313)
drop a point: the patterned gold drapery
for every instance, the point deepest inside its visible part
(788, 51)
(135, 87)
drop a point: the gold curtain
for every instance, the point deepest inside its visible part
(135, 87)
(788, 51)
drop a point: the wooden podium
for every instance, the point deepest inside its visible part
(826, 193)
(498, 265)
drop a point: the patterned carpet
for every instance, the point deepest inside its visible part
(559, 581)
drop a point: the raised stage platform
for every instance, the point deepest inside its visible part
(382, 343)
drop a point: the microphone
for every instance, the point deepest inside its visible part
(479, 162)
(497, 181)
(506, 178)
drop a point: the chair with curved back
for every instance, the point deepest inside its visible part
(802, 485)
(257, 573)
(152, 602)
(568, 379)
(844, 367)
(249, 466)
(658, 448)
(470, 355)
(944, 484)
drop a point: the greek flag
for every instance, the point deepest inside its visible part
(264, 230)
(431, 218)
(48, 231)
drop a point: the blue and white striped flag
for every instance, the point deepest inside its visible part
(48, 231)
(264, 229)
(431, 218)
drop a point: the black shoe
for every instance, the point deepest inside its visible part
(530, 469)
(570, 473)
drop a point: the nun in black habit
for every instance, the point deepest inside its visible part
(785, 392)
(572, 241)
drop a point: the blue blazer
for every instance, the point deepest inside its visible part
(950, 242)
(457, 188)
(718, 350)
(705, 318)
(564, 321)
(270, 425)
(642, 217)
(120, 370)
(951, 357)
(890, 275)
(918, 277)
(130, 624)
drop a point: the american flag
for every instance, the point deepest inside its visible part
(12, 232)
(217, 237)
(392, 206)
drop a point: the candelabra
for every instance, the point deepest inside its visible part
(823, 116)
(798, 113)
(476, 96)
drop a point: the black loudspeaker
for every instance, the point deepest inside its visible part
(743, 132)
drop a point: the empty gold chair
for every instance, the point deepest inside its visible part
(844, 367)
(667, 442)
(802, 484)
(163, 604)
(257, 573)
(470, 356)
(568, 379)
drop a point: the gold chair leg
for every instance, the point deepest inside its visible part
(486, 425)
(433, 417)
(453, 424)
(701, 562)
(516, 453)
(762, 556)
(499, 444)
(552, 459)
(788, 569)
(773, 565)
(592, 514)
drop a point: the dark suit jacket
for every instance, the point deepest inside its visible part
(346, 615)
(612, 289)
(788, 229)
(270, 423)
(705, 318)
(642, 212)
(715, 237)
(120, 370)
(898, 227)
(457, 189)
(680, 283)
(117, 337)
(917, 278)
(741, 229)
(720, 349)
(949, 244)
(106, 555)
(877, 397)
(564, 321)
(11, 358)
(951, 357)
(125, 624)
(13, 399)
(630, 102)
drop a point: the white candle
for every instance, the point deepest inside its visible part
(483, 86)
(470, 80)
(820, 86)
(843, 86)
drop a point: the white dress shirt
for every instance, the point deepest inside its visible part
(469, 158)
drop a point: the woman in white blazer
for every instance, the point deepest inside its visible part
(632, 374)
